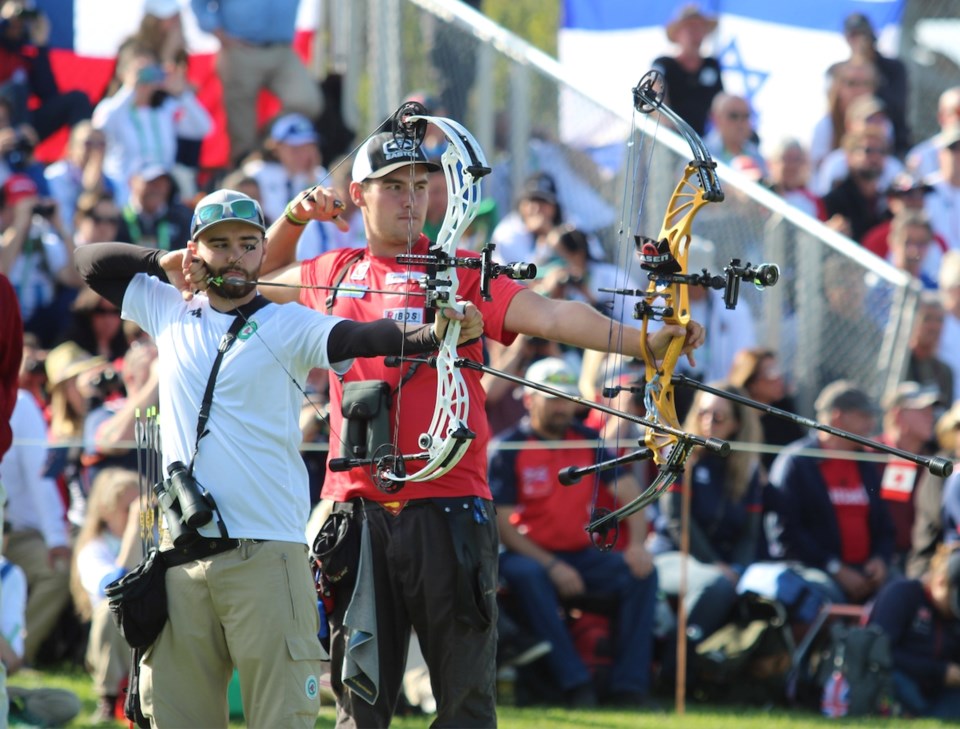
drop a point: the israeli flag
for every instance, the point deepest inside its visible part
(776, 54)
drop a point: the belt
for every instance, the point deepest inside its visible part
(201, 549)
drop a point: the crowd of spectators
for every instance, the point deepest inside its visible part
(130, 172)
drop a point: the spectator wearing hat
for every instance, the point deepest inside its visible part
(922, 619)
(891, 76)
(36, 253)
(256, 53)
(154, 216)
(293, 164)
(144, 118)
(943, 204)
(908, 425)
(692, 79)
(826, 513)
(732, 133)
(547, 555)
(924, 159)
(905, 193)
(864, 112)
(573, 274)
(522, 233)
(928, 531)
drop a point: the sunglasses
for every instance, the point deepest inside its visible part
(236, 210)
(111, 219)
(738, 115)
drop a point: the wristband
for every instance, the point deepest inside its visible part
(291, 218)
(551, 564)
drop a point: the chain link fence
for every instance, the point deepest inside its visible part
(837, 310)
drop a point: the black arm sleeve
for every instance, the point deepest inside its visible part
(107, 268)
(379, 338)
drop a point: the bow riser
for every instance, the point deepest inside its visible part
(448, 437)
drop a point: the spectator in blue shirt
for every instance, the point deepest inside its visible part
(256, 52)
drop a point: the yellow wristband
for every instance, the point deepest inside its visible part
(292, 218)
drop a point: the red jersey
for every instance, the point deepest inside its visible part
(11, 352)
(418, 394)
(547, 513)
(851, 505)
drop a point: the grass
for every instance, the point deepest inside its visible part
(697, 716)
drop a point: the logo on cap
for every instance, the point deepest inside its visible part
(400, 149)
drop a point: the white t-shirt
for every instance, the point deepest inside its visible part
(249, 461)
(33, 501)
(35, 270)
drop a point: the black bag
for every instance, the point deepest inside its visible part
(138, 601)
(337, 549)
(747, 660)
(855, 672)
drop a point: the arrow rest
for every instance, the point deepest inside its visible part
(389, 464)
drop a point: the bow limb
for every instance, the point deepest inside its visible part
(665, 259)
(464, 165)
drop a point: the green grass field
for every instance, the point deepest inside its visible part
(697, 716)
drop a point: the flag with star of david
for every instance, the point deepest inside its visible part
(776, 54)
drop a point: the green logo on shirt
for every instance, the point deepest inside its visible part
(248, 330)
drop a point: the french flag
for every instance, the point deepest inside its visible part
(775, 54)
(85, 36)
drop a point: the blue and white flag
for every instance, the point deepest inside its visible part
(775, 54)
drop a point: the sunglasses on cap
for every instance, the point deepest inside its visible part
(236, 210)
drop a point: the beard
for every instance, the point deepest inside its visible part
(233, 289)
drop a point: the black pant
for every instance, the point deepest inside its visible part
(435, 569)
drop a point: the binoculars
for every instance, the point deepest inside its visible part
(185, 505)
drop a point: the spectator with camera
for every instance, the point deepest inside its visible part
(80, 171)
(110, 428)
(25, 72)
(36, 253)
(572, 273)
(144, 118)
